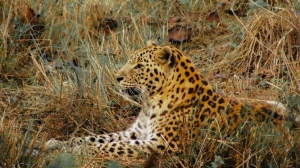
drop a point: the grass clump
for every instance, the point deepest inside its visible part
(18, 147)
(58, 60)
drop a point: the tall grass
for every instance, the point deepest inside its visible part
(57, 73)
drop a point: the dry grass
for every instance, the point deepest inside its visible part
(57, 73)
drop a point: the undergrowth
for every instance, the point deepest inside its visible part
(58, 60)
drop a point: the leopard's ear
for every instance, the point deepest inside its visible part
(167, 56)
(151, 42)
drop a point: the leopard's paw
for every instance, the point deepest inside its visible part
(53, 144)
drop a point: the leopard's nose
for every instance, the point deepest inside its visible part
(119, 79)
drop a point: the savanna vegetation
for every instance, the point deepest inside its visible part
(58, 59)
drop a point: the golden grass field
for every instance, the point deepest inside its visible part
(58, 59)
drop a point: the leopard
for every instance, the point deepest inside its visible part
(177, 105)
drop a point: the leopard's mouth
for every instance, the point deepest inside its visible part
(131, 91)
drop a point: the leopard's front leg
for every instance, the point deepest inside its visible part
(129, 148)
(89, 140)
(111, 145)
(139, 137)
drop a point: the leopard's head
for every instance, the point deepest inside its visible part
(146, 70)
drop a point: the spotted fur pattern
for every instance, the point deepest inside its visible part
(177, 104)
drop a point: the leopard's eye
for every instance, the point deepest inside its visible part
(138, 66)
